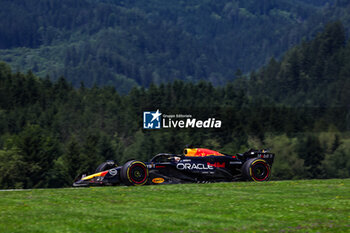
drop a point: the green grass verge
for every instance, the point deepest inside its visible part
(276, 206)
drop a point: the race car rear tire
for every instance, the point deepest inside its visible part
(109, 164)
(134, 173)
(256, 169)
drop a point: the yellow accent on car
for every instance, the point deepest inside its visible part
(200, 152)
(94, 175)
(190, 152)
(158, 180)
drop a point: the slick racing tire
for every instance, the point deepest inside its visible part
(256, 170)
(134, 173)
(109, 164)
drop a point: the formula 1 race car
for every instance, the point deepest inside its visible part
(196, 165)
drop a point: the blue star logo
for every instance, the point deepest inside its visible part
(151, 120)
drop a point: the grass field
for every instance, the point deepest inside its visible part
(279, 206)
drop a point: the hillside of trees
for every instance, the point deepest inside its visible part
(298, 107)
(136, 43)
(313, 74)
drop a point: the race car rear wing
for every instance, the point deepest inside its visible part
(263, 154)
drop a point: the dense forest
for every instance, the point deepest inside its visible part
(135, 43)
(297, 106)
(314, 73)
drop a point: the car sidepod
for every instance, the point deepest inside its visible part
(196, 169)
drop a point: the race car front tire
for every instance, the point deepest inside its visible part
(134, 173)
(256, 169)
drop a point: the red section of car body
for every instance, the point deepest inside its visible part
(217, 164)
(200, 152)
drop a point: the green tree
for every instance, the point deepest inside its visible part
(309, 149)
(337, 164)
(287, 164)
(12, 168)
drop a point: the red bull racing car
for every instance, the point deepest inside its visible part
(195, 165)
